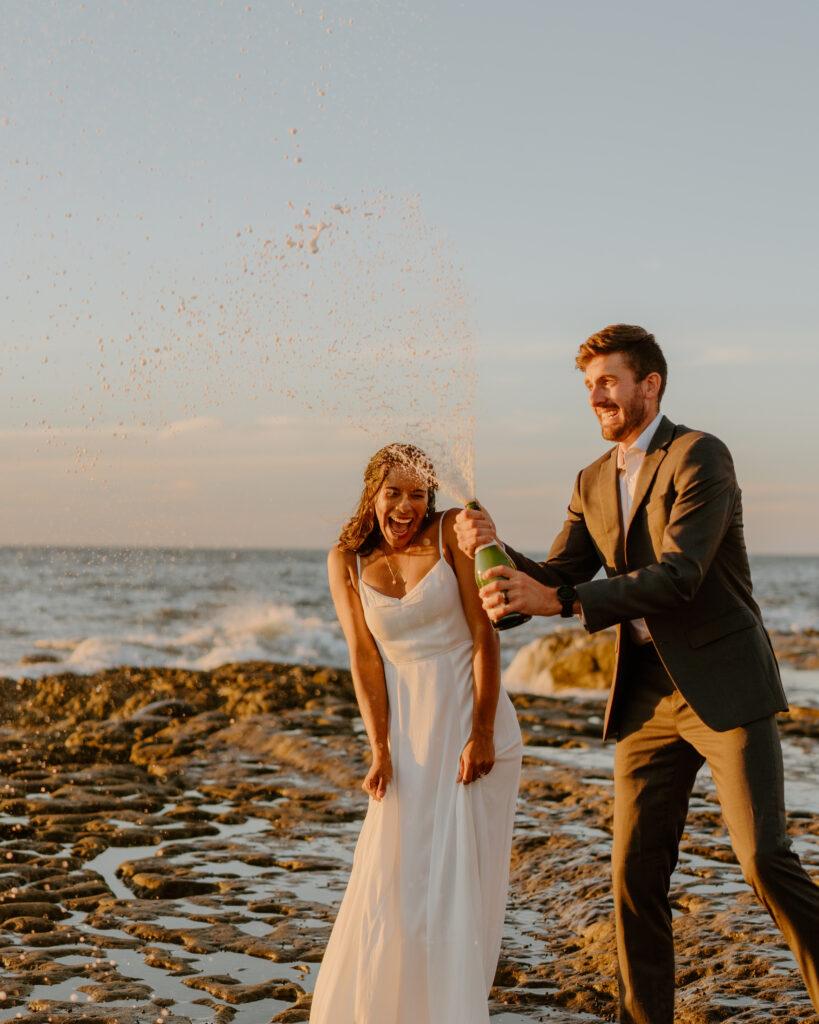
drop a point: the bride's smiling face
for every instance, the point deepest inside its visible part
(400, 506)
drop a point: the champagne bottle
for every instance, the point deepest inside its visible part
(487, 556)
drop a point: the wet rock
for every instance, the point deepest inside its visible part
(162, 959)
(89, 846)
(110, 739)
(206, 940)
(299, 1012)
(25, 924)
(66, 935)
(113, 991)
(161, 886)
(572, 658)
(38, 659)
(11, 908)
(14, 992)
(566, 659)
(799, 649)
(227, 988)
(246, 780)
(124, 836)
(50, 1011)
(15, 830)
(162, 710)
(288, 942)
(222, 1014)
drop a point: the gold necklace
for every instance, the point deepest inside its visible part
(397, 580)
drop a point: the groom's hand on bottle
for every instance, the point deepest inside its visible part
(473, 527)
(510, 590)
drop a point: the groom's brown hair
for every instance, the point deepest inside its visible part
(639, 347)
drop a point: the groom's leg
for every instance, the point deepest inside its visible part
(746, 764)
(654, 772)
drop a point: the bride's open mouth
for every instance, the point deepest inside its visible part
(400, 528)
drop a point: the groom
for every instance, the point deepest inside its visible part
(695, 679)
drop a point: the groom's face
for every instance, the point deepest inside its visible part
(624, 405)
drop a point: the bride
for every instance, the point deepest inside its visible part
(418, 933)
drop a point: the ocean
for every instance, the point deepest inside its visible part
(85, 609)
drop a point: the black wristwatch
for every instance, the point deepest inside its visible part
(567, 596)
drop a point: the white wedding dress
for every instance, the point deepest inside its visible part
(418, 933)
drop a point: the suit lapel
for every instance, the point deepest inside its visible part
(612, 520)
(656, 453)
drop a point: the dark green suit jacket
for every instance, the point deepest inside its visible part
(681, 564)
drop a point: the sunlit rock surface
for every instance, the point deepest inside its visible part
(174, 845)
(564, 660)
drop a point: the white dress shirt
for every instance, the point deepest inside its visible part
(629, 463)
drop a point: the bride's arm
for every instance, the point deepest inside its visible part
(478, 755)
(366, 667)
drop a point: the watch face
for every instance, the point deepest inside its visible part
(567, 596)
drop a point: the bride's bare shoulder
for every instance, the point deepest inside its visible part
(448, 516)
(340, 559)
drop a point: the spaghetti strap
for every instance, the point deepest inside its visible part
(441, 535)
(358, 566)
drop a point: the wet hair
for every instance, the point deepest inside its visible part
(641, 351)
(361, 533)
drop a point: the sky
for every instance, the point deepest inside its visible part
(245, 244)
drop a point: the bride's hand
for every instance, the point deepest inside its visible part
(477, 759)
(378, 778)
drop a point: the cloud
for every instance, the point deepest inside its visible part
(506, 351)
(196, 425)
(107, 432)
(730, 355)
(69, 434)
(279, 422)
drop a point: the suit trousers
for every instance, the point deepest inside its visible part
(661, 746)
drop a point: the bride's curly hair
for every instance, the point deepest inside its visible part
(361, 533)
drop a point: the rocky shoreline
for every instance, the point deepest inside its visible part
(175, 843)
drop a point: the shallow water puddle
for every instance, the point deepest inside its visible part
(219, 858)
(129, 965)
(543, 1013)
(107, 863)
(593, 759)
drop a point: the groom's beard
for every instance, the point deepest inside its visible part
(632, 415)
